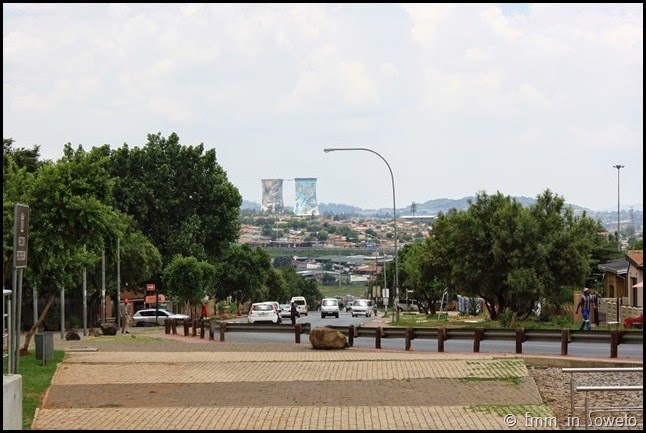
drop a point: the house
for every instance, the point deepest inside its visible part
(634, 278)
(614, 278)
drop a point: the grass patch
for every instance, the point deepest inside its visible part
(357, 291)
(36, 378)
(535, 410)
(481, 321)
(515, 380)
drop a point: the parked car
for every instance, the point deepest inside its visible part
(362, 307)
(348, 306)
(154, 317)
(285, 310)
(329, 307)
(634, 322)
(262, 312)
(410, 305)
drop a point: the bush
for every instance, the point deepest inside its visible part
(508, 319)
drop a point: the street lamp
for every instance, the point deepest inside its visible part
(618, 167)
(383, 253)
(392, 179)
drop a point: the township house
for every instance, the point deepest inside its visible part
(623, 281)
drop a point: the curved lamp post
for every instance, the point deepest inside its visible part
(392, 178)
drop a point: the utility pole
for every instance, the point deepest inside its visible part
(618, 167)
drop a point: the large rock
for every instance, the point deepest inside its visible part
(109, 328)
(72, 334)
(327, 338)
(94, 332)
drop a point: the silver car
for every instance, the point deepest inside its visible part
(362, 307)
(155, 317)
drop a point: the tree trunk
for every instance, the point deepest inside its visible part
(50, 300)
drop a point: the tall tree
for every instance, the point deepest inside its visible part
(242, 274)
(512, 256)
(188, 280)
(179, 196)
(68, 212)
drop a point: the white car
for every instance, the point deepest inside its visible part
(285, 311)
(262, 312)
(329, 307)
(154, 317)
(276, 306)
(362, 307)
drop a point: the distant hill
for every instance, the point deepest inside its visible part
(431, 207)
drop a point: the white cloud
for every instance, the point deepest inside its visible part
(457, 98)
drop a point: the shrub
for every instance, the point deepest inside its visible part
(507, 318)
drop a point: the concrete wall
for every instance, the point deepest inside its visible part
(11, 402)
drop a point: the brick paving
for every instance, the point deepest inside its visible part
(157, 381)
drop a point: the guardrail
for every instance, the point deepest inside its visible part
(565, 336)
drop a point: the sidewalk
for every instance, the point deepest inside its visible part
(159, 381)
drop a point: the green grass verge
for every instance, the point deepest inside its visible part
(36, 378)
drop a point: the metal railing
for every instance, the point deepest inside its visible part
(588, 411)
(565, 336)
(7, 340)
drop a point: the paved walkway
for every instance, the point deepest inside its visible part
(186, 383)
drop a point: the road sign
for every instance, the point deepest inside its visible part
(20, 235)
(150, 287)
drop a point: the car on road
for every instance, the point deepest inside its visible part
(329, 307)
(262, 312)
(301, 304)
(154, 317)
(285, 311)
(276, 306)
(362, 307)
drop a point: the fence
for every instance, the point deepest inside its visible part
(614, 338)
(608, 309)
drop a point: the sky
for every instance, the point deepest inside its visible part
(451, 99)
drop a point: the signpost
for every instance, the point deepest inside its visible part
(20, 242)
(20, 235)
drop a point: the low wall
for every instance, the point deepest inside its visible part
(11, 402)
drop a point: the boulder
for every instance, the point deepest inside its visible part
(109, 329)
(324, 338)
(72, 334)
(94, 332)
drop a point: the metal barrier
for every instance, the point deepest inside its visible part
(607, 388)
(477, 335)
(223, 327)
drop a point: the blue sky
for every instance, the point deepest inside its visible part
(513, 98)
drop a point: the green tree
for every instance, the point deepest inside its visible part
(188, 280)
(281, 261)
(512, 256)
(243, 274)
(70, 219)
(179, 196)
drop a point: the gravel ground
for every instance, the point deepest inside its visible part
(554, 387)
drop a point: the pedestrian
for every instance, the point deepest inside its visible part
(293, 313)
(125, 317)
(203, 314)
(586, 303)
